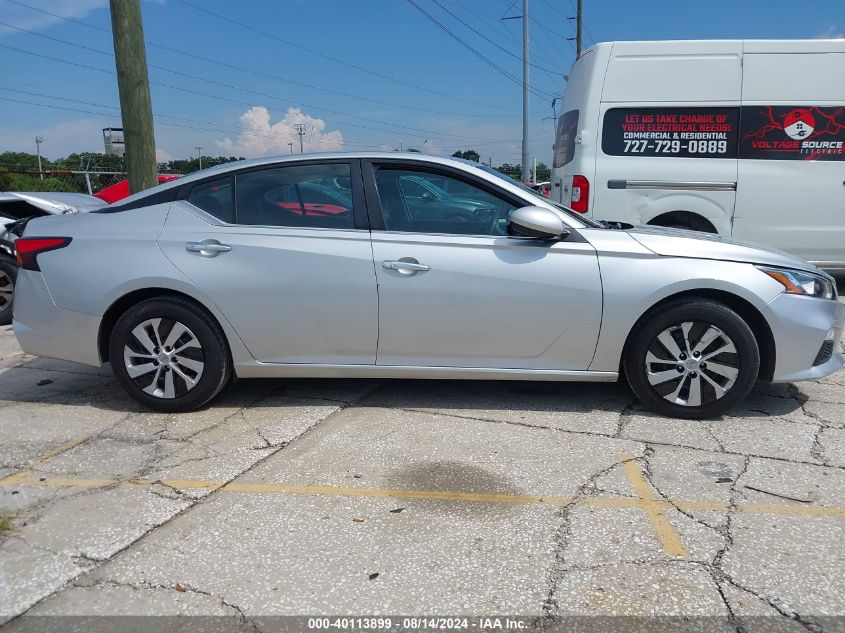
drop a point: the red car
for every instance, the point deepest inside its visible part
(120, 190)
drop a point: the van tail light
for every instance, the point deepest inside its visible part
(580, 194)
(28, 249)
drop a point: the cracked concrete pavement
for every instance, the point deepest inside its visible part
(539, 500)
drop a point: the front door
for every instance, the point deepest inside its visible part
(286, 259)
(456, 291)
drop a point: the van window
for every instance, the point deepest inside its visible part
(671, 131)
(567, 127)
(793, 132)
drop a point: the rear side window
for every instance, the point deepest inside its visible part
(309, 196)
(567, 128)
(215, 198)
(675, 132)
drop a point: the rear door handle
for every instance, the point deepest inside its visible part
(207, 248)
(405, 266)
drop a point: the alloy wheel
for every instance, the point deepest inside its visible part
(692, 364)
(7, 290)
(163, 358)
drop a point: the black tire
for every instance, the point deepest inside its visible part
(709, 318)
(212, 355)
(8, 278)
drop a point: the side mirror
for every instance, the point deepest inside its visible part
(537, 222)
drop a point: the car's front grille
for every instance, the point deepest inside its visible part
(825, 352)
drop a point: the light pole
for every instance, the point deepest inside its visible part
(38, 141)
(199, 154)
(300, 128)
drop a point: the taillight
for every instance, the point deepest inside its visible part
(28, 249)
(580, 200)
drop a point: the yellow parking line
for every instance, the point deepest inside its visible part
(46, 457)
(641, 501)
(667, 535)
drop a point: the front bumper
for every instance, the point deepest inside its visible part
(800, 326)
(44, 329)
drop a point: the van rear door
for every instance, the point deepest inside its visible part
(669, 123)
(575, 138)
(792, 149)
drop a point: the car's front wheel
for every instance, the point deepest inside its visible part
(169, 355)
(695, 358)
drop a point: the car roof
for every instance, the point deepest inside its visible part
(160, 192)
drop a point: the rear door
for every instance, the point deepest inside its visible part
(455, 290)
(285, 257)
(792, 151)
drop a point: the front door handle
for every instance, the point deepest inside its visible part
(405, 266)
(207, 248)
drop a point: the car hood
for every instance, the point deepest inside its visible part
(683, 243)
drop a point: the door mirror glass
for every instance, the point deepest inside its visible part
(537, 222)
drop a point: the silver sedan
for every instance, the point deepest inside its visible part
(340, 265)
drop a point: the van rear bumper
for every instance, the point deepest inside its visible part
(44, 329)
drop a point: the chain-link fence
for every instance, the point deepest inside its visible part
(59, 180)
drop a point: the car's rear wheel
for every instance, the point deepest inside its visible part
(692, 359)
(169, 355)
(8, 278)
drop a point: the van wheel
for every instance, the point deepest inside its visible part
(694, 359)
(168, 355)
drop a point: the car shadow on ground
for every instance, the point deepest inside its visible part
(42, 381)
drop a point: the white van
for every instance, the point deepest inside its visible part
(743, 138)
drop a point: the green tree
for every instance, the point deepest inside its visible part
(543, 172)
(469, 154)
(514, 171)
(22, 161)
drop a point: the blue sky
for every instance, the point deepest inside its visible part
(377, 73)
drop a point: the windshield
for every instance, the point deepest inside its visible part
(541, 197)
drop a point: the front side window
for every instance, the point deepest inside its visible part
(419, 202)
(215, 198)
(309, 196)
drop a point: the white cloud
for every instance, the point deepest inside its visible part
(163, 156)
(260, 137)
(34, 20)
(831, 32)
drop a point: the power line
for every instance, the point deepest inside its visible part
(432, 133)
(569, 17)
(335, 59)
(475, 52)
(484, 37)
(257, 73)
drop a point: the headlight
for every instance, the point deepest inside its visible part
(798, 282)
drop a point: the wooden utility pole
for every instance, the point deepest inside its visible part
(134, 86)
(578, 18)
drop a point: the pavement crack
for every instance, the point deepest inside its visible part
(193, 502)
(561, 539)
(649, 477)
